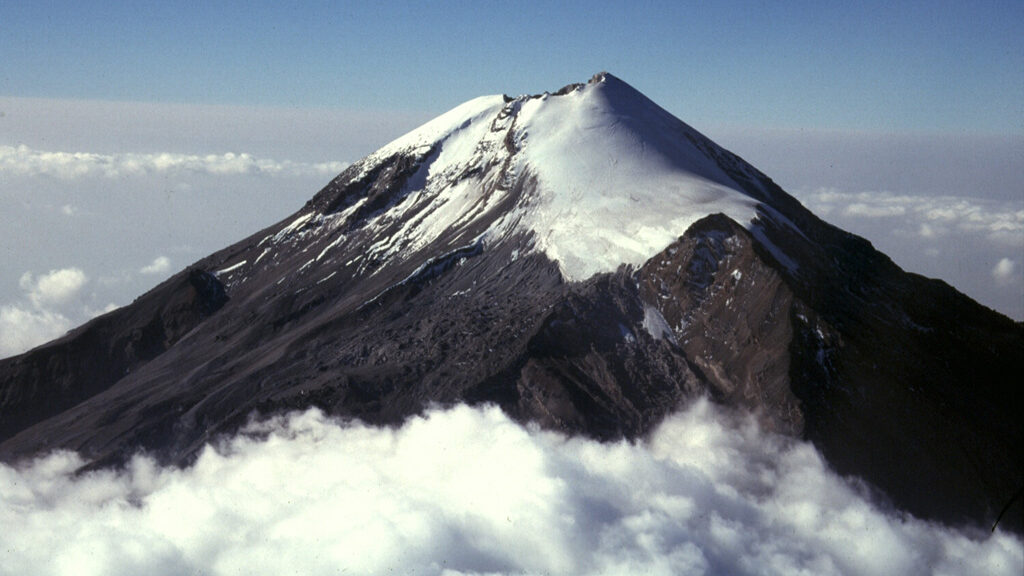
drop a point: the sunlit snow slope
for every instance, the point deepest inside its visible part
(611, 177)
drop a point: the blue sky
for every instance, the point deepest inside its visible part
(908, 66)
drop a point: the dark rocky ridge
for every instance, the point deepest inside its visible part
(898, 379)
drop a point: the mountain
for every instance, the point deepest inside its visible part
(582, 259)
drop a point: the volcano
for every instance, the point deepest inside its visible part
(582, 259)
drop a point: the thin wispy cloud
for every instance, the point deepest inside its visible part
(873, 211)
(930, 216)
(25, 161)
(468, 491)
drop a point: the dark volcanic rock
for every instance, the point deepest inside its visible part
(362, 305)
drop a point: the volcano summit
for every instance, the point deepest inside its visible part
(582, 259)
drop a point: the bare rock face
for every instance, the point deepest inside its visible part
(365, 305)
(729, 312)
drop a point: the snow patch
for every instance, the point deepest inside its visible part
(341, 238)
(260, 257)
(231, 268)
(294, 226)
(656, 325)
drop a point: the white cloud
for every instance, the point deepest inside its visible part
(999, 221)
(874, 211)
(25, 161)
(43, 313)
(160, 265)
(467, 491)
(22, 328)
(55, 288)
(1003, 270)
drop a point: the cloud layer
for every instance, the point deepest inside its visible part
(24, 161)
(930, 216)
(467, 491)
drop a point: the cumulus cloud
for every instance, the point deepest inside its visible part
(42, 314)
(160, 265)
(25, 161)
(22, 328)
(54, 288)
(467, 491)
(1003, 270)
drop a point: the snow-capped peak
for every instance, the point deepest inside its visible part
(603, 176)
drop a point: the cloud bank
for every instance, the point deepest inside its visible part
(25, 161)
(467, 491)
